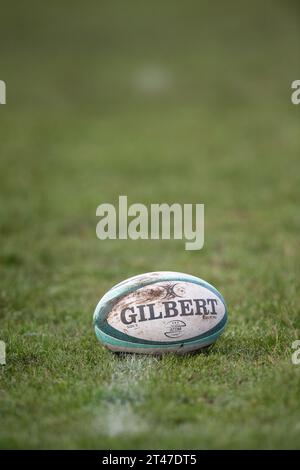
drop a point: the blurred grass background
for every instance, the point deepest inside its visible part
(164, 102)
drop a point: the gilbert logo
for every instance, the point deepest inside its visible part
(181, 308)
(2, 92)
(296, 94)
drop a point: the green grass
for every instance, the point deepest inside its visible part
(79, 130)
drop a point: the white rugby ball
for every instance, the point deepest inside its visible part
(160, 312)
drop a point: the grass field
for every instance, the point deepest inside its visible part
(163, 102)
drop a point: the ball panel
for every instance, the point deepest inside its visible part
(127, 346)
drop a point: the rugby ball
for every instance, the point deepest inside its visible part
(160, 312)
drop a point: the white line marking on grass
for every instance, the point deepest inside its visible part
(121, 419)
(126, 389)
